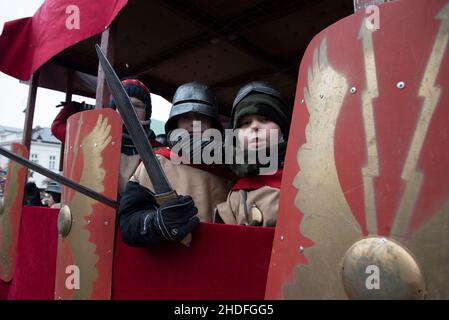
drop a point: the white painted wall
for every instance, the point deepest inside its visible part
(41, 152)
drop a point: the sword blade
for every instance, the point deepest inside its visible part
(135, 129)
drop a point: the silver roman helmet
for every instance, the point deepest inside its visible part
(193, 97)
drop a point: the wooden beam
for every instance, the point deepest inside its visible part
(68, 98)
(107, 45)
(29, 116)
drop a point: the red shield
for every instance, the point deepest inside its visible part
(11, 212)
(364, 209)
(92, 155)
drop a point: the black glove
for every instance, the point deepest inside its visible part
(175, 219)
(79, 106)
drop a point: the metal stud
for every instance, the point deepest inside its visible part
(282, 238)
(88, 221)
(401, 85)
(353, 90)
(302, 101)
(301, 249)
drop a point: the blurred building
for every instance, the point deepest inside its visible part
(45, 150)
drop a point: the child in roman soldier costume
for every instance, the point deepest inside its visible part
(258, 112)
(201, 187)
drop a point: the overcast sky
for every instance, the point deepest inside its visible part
(13, 95)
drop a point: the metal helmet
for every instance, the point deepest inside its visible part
(255, 86)
(193, 97)
(264, 88)
(53, 187)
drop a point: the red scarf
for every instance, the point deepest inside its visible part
(256, 182)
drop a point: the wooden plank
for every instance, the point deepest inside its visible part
(107, 45)
(31, 103)
(68, 99)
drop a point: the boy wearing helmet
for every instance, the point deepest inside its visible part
(142, 222)
(258, 112)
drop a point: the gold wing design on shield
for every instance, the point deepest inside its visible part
(5, 221)
(328, 222)
(83, 250)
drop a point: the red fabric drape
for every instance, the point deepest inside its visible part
(28, 43)
(34, 277)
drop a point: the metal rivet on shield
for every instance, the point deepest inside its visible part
(113, 142)
(88, 221)
(64, 220)
(106, 223)
(302, 101)
(282, 238)
(301, 249)
(353, 90)
(401, 85)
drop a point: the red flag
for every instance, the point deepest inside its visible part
(28, 43)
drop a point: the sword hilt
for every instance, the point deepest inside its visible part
(162, 198)
(167, 196)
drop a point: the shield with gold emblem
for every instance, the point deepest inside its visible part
(364, 208)
(86, 226)
(11, 212)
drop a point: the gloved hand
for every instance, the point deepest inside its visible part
(175, 219)
(76, 106)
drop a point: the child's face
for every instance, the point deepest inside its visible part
(254, 132)
(50, 200)
(186, 121)
(139, 107)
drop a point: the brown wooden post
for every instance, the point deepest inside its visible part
(107, 45)
(31, 103)
(68, 99)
